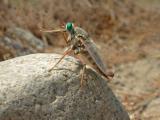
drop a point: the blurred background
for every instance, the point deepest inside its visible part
(126, 31)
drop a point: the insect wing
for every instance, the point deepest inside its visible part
(93, 51)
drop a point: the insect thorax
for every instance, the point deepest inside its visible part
(79, 32)
(75, 39)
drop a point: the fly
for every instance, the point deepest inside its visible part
(80, 42)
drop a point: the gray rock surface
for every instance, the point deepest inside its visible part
(29, 92)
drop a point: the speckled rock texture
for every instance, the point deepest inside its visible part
(28, 91)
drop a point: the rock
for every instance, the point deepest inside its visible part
(12, 47)
(28, 91)
(26, 36)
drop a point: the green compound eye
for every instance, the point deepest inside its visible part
(69, 26)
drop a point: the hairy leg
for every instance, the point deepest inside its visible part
(67, 52)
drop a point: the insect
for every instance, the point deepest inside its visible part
(80, 42)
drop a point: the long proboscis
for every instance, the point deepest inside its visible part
(53, 30)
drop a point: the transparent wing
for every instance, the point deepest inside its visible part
(93, 51)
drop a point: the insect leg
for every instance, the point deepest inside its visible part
(68, 51)
(65, 37)
(82, 71)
